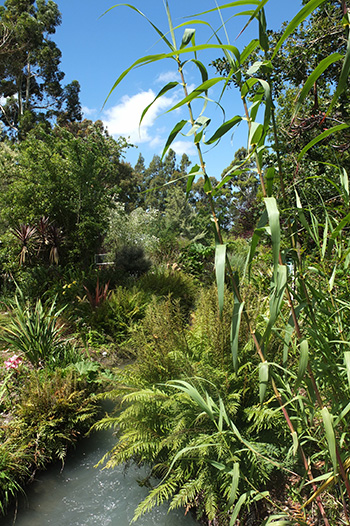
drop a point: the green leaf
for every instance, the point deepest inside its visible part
(263, 379)
(344, 181)
(195, 170)
(303, 360)
(150, 59)
(347, 364)
(278, 287)
(270, 177)
(320, 137)
(343, 79)
(332, 278)
(165, 89)
(297, 20)
(328, 426)
(235, 326)
(174, 132)
(258, 232)
(194, 394)
(187, 37)
(202, 69)
(234, 485)
(160, 33)
(295, 442)
(263, 38)
(220, 260)
(255, 133)
(274, 223)
(340, 226)
(223, 129)
(237, 508)
(197, 92)
(310, 81)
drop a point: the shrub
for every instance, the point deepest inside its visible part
(165, 282)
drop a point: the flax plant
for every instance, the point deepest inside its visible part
(312, 321)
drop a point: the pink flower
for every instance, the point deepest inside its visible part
(13, 362)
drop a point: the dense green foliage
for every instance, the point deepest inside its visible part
(237, 397)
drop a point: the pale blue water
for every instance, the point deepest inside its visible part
(86, 496)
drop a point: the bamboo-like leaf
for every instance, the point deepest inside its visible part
(278, 287)
(202, 69)
(149, 59)
(258, 232)
(160, 33)
(279, 519)
(165, 89)
(235, 326)
(194, 394)
(344, 181)
(255, 133)
(263, 379)
(274, 223)
(347, 364)
(320, 137)
(295, 442)
(220, 260)
(287, 339)
(187, 37)
(249, 49)
(343, 79)
(223, 129)
(303, 360)
(200, 122)
(249, 83)
(238, 507)
(195, 170)
(340, 226)
(297, 20)
(270, 177)
(234, 485)
(202, 88)
(230, 4)
(263, 38)
(332, 278)
(253, 15)
(328, 426)
(172, 135)
(312, 78)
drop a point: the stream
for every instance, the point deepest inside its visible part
(82, 495)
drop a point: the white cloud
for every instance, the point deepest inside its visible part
(88, 112)
(168, 76)
(124, 118)
(181, 147)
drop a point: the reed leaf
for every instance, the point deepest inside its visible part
(220, 262)
(320, 138)
(312, 78)
(297, 20)
(328, 426)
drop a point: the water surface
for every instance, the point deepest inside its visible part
(82, 495)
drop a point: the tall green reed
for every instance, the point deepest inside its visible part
(315, 317)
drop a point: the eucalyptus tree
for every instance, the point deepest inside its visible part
(30, 77)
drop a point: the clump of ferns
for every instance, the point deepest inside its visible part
(183, 447)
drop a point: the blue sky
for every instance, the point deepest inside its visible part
(95, 50)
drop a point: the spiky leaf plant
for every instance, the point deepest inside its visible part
(34, 331)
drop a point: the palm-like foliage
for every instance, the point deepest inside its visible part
(25, 234)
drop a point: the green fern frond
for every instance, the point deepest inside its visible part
(156, 497)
